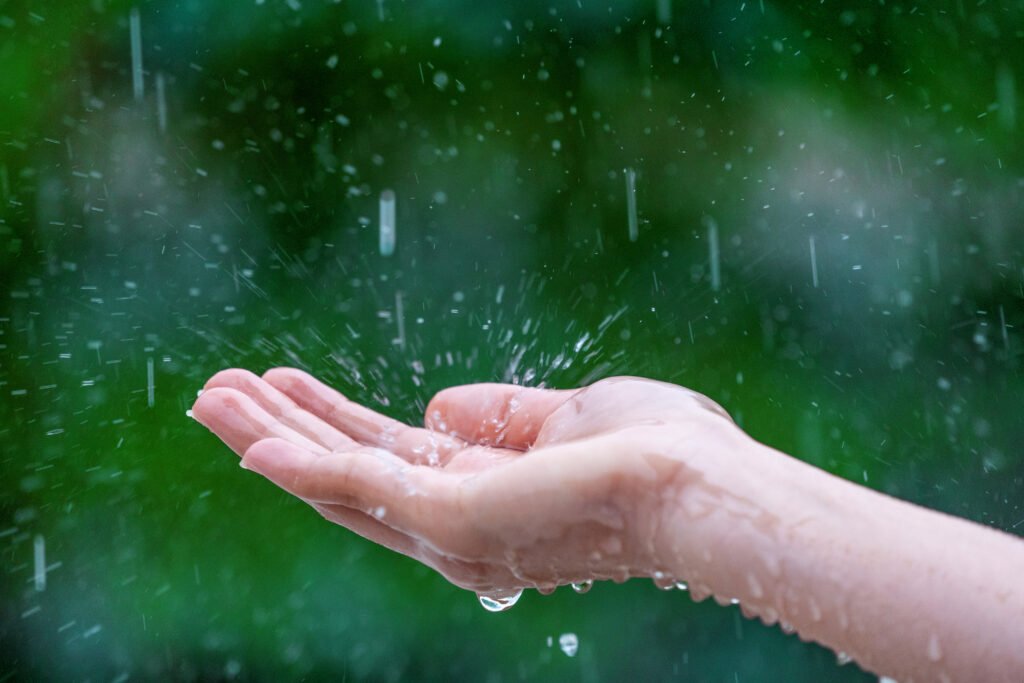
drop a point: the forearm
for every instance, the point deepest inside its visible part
(906, 592)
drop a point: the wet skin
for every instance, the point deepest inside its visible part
(506, 487)
(509, 487)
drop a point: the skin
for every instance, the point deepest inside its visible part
(508, 487)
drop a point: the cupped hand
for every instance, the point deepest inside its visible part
(506, 487)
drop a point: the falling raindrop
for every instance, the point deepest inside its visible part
(1002, 326)
(713, 254)
(161, 102)
(39, 556)
(400, 319)
(135, 28)
(814, 262)
(1006, 96)
(664, 8)
(387, 223)
(569, 643)
(634, 223)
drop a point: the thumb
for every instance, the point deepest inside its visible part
(503, 415)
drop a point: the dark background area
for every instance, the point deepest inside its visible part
(227, 215)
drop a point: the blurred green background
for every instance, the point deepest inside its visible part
(225, 213)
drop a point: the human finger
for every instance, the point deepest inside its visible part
(369, 527)
(416, 500)
(281, 407)
(367, 426)
(240, 422)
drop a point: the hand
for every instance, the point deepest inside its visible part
(507, 487)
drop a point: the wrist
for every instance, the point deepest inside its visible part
(729, 516)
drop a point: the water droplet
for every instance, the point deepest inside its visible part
(569, 643)
(843, 659)
(934, 649)
(844, 621)
(583, 586)
(499, 603)
(681, 585)
(663, 581)
(755, 586)
(815, 611)
(787, 627)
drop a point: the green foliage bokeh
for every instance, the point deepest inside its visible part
(238, 228)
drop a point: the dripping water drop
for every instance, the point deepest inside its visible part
(499, 603)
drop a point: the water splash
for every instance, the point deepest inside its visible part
(496, 603)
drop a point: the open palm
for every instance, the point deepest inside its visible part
(506, 487)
